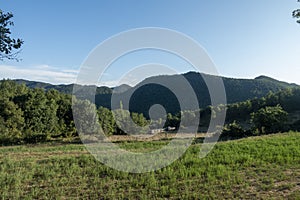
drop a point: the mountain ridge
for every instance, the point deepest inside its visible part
(46, 85)
(145, 94)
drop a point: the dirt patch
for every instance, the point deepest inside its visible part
(156, 137)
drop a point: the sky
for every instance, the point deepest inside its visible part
(244, 39)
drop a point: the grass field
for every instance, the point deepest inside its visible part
(266, 167)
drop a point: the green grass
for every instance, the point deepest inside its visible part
(252, 168)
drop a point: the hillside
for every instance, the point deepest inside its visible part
(147, 94)
(64, 88)
(272, 80)
(240, 112)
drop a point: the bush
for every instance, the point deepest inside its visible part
(269, 119)
(233, 131)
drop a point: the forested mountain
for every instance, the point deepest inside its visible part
(275, 112)
(145, 94)
(39, 114)
(64, 88)
(288, 100)
(272, 80)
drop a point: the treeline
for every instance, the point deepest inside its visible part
(142, 96)
(145, 94)
(287, 100)
(276, 112)
(35, 115)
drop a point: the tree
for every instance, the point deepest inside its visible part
(85, 117)
(11, 115)
(269, 119)
(11, 89)
(11, 121)
(139, 119)
(296, 13)
(106, 120)
(40, 113)
(65, 116)
(129, 123)
(233, 130)
(188, 118)
(7, 44)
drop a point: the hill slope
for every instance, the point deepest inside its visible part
(145, 94)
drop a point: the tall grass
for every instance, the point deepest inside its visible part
(258, 167)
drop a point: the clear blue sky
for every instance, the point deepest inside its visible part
(244, 38)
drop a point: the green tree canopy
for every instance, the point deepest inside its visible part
(8, 44)
(269, 119)
(106, 120)
(40, 113)
(296, 14)
(85, 117)
(11, 120)
(129, 123)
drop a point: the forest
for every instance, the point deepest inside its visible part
(31, 115)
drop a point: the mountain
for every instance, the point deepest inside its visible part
(122, 88)
(147, 93)
(151, 91)
(272, 80)
(64, 88)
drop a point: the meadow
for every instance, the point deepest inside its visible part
(262, 167)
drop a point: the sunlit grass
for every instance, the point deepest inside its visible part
(258, 167)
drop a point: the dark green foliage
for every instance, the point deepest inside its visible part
(296, 14)
(11, 121)
(173, 120)
(188, 118)
(32, 138)
(129, 123)
(85, 117)
(269, 119)
(40, 113)
(33, 115)
(67, 89)
(233, 131)
(106, 121)
(295, 126)
(7, 44)
(288, 100)
(11, 116)
(65, 116)
(146, 93)
(36, 115)
(139, 119)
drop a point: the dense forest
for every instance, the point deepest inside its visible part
(276, 112)
(146, 93)
(29, 115)
(33, 114)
